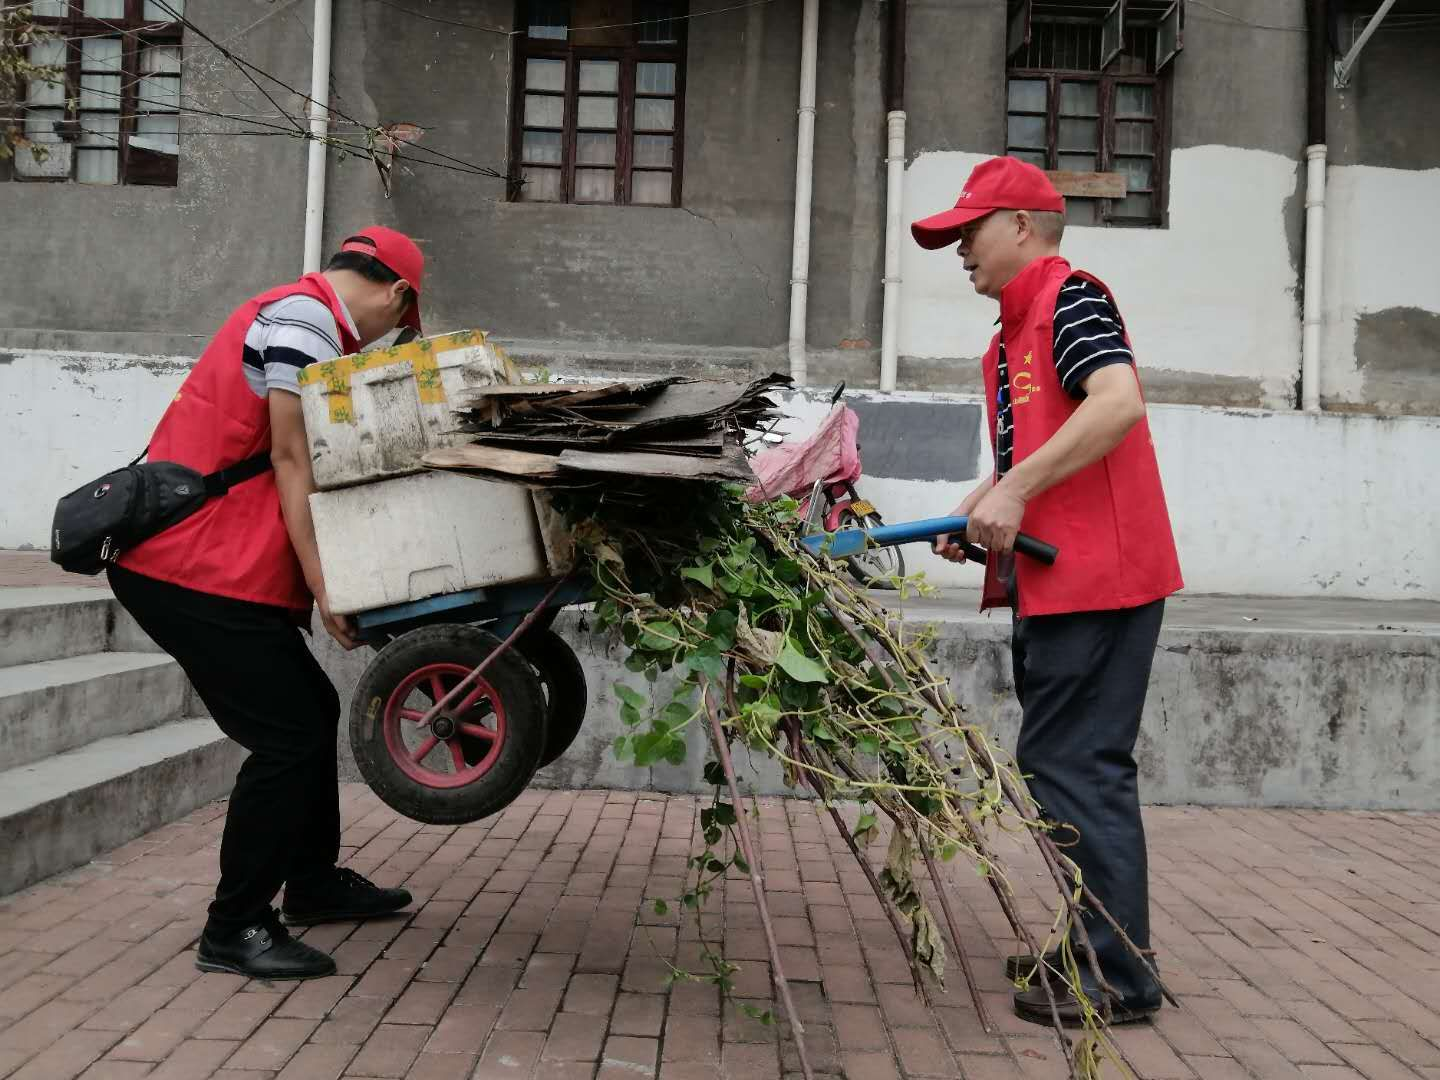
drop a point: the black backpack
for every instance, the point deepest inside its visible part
(95, 523)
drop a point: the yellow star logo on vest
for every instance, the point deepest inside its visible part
(1029, 357)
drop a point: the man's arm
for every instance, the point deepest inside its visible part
(290, 454)
(1111, 407)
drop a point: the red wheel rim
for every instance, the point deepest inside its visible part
(434, 755)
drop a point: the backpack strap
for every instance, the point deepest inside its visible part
(221, 481)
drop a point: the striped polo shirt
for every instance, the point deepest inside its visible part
(287, 335)
(1088, 336)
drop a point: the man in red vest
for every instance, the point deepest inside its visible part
(1075, 466)
(226, 591)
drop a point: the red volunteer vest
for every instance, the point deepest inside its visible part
(233, 546)
(1109, 520)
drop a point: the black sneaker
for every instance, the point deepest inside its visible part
(262, 951)
(340, 896)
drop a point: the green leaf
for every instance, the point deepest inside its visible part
(799, 666)
(725, 814)
(949, 851)
(740, 863)
(754, 682)
(629, 715)
(659, 635)
(715, 866)
(630, 697)
(661, 908)
(674, 751)
(868, 744)
(866, 822)
(707, 661)
(714, 774)
(677, 715)
(621, 745)
(721, 627)
(705, 575)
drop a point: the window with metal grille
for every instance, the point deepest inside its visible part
(1088, 101)
(599, 101)
(113, 115)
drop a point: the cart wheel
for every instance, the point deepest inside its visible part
(474, 758)
(566, 694)
(875, 568)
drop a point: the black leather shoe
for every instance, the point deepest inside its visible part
(262, 951)
(1022, 965)
(340, 896)
(1033, 1006)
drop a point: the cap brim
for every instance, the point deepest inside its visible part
(943, 229)
(411, 318)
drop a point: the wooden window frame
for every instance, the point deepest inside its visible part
(628, 56)
(135, 32)
(1105, 149)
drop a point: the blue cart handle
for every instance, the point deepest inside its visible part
(847, 542)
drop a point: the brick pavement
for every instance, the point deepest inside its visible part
(33, 568)
(1300, 943)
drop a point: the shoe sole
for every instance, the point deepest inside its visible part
(339, 916)
(236, 969)
(1117, 1017)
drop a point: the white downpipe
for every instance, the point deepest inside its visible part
(804, 186)
(894, 197)
(319, 127)
(1314, 277)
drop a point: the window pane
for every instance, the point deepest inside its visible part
(655, 150)
(594, 185)
(1133, 206)
(159, 93)
(545, 75)
(544, 111)
(1078, 135)
(56, 154)
(549, 19)
(40, 126)
(105, 9)
(1027, 95)
(1137, 172)
(1080, 211)
(99, 129)
(651, 188)
(155, 12)
(100, 91)
(158, 133)
(541, 146)
(1027, 131)
(599, 76)
(48, 9)
(100, 54)
(654, 78)
(1134, 100)
(1079, 98)
(1034, 157)
(654, 114)
(160, 60)
(98, 167)
(596, 112)
(45, 91)
(1078, 162)
(1134, 137)
(593, 149)
(658, 26)
(541, 185)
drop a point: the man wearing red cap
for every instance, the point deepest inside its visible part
(226, 591)
(1074, 466)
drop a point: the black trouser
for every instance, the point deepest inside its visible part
(250, 665)
(1081, 681)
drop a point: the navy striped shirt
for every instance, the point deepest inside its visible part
(1088, 336)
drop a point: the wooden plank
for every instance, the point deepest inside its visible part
(1089, 185)
(493, 459)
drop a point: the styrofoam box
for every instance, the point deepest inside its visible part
(404, 539)
(372, 415)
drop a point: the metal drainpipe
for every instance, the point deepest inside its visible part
(1315, 163)
(804, 187)
(319, 126)
(894, 197)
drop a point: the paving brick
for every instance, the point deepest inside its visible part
(135, 1007)
(195, 1059)
(692, 1038)
(114, 1070)
(238, 1017)
(350, 1022)
(510, 1055)
(44, 1026)
(1373, 1062)
(575, 1037)
(390, 1051)
(530, 1010)
(67, 1058)
(1297, 1044)
(638, 1015)
(421, 1003)
(272, 1045)
(753, 1062)
(314, 998)
(157, 1037)
(430, 1066)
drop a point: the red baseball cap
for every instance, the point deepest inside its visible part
(398, 253)
(1002, 183)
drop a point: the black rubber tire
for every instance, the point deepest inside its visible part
(514, 682)
(857, 567)
(566, 693)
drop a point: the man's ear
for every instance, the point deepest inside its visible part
(399, 288)
(1024, 226)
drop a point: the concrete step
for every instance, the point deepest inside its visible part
(52, 623)
(53, 706)
(61, 812)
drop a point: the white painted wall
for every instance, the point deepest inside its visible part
(1382, 250)
(1263, 503)
(1268, 503)
(1214, 294)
